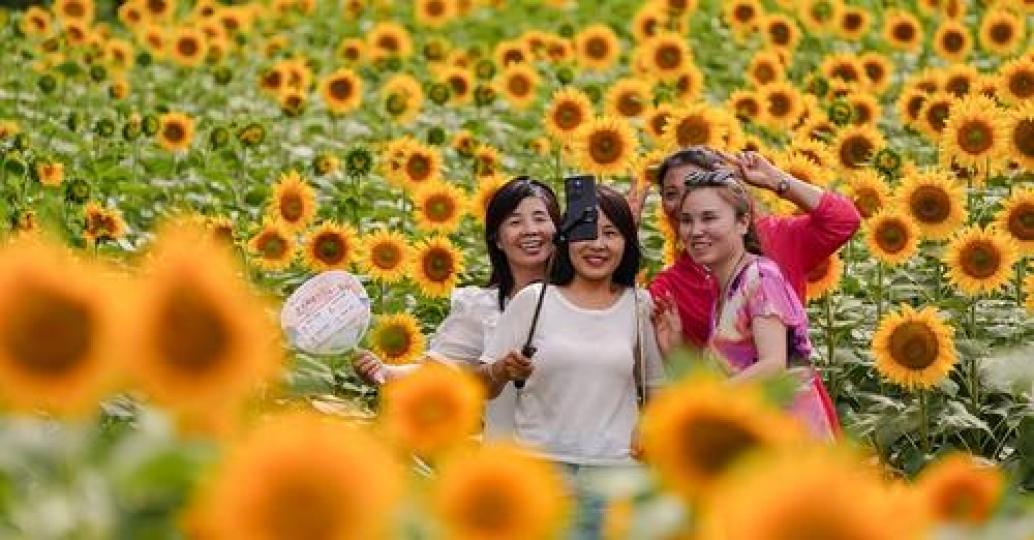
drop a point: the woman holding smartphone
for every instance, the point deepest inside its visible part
(594, 341)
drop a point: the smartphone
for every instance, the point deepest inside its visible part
(580, 217)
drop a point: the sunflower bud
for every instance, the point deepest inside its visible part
(131, 130)
(434, 51)
(252, 134)
(840, 112)
(21, 142)
(324, 164)
(484, 95)
(566, 30)
(393, 63)
(98, 73)
(77, 191)
(436, 135)
(358, 162)
(219, 137)
(222, 75)
(484, 69)
(818, 86)
(75, 120)
(150, 125)
(47, 83)
(438, 93)
(15, 165)
(565, 75)
(594, 93)
(887, 162)
(104, 127)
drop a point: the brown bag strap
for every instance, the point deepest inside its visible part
(637, 354)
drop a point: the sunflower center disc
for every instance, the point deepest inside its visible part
(914, 346)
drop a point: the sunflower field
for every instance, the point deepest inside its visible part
(171, 170)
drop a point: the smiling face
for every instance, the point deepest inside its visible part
(598, 259)
(526, 235)
(709, 227)
(672, 189)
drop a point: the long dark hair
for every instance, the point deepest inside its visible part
(501, 205)
(701, 156)
(731, 191)
(615, 207)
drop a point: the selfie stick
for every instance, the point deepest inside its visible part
(528, 350)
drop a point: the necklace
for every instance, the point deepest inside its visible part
(728, 282)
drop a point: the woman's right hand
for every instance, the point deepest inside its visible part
(512, 367)
(370, 369)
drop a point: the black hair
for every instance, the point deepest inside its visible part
(500, 206)
(732, 192)
(701, 156)
(615, 207)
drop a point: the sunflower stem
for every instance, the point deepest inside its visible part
(1021, 269)
(879, 291)
(924, 424)
(827, 305)
(974, 374)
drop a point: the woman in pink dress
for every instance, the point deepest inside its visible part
(759, 327)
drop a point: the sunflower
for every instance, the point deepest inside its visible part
(1016, 81)
(961, 489)
(824, 278)
(980, 260)
(435, 265)
(855, 146)
(878, 70)
(782, 104)
(853, 23)
(36, 21)
(666, 55)
(914, 349)
(50, 173)
(433, 410)
(597, 47)
(933, 116)
(690, 84)
(627, 98)
(695, 124)
(745, 104)
(1001, 31)
(461, 84)
(352, 50)
(74, 10)
(648, 20)
(487, 188)
(118, 54)
(175, 131)
(388, 39)
(765, 67)
(487, 161)
(187, 46)
(439, 207)
(76, 33)
(959, 79)
(384, 255)
(500, 491)
(158, 10)
(330, 246)
(780, 31)
(804, 169)
(865, 108)
(604, 145)
(868, 192)
(298, 73)
(1019, 130)
(902, 30)
(934, 201)
(60, 326)
(654, 120)
(421, 165)
(843, 66)
(293, 203)
(742, 16)
(301, 475)
(819, 16)
(910, 105)
(201, 339)
(892, 237)
(342, 91)
(397, 339)
(696, 430)
(402, 98)
(512, 52)
(463, 142)
(102, 224)
(518, 83)
(952, 41)
(975, 134)
(643, 168)
(774, 497)
(434, 13)
(272, 246)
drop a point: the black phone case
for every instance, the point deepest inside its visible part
(580, 192)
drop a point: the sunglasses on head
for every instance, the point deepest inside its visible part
(720, 177)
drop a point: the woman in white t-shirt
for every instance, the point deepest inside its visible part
(578, 407)
(520, 221)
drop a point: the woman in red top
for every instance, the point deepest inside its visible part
(797, 244)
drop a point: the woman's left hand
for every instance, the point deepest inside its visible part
(667, 324)
(754, 169)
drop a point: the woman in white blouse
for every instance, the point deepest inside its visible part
(595, 353)
(520, 221)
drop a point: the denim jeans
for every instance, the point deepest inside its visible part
(589, 505)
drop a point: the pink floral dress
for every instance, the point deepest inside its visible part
(759, 290)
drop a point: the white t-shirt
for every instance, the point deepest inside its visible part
(579, 405)
(462, 337)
